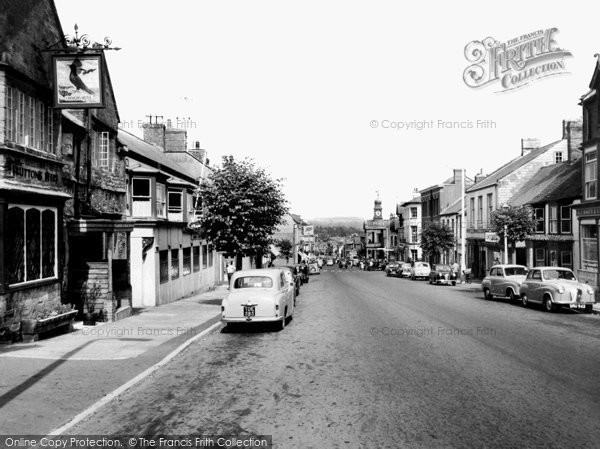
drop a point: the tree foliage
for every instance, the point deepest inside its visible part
(242, 207)
(285, 246)
(519, 223)
(436, 238)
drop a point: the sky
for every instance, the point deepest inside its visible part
(323, 94)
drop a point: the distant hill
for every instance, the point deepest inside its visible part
(332, 222)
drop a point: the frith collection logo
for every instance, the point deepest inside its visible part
(514, 63)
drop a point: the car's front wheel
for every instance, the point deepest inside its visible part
(487, 294)
(511, 296)
(549, 304)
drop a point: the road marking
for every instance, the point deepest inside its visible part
(123, 388)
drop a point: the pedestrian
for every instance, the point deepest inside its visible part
(455, 270)
(230, 271)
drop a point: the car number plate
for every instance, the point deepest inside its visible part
(577, 306)
(249, 311)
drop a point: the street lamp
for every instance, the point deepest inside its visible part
(505, 208)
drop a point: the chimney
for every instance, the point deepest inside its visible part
(528, 144)
(457, 175)
(154, 133)
(573, 132)
(175, 140)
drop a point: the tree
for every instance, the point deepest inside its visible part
(519, 223)
(242, 207)
(436, 239)
(285, 246)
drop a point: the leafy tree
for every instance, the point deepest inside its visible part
(519, 223)
(285, 246)
(436, 239)
(242, 207)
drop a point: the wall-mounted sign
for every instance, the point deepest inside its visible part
(308, 230)
(16, 169)
(78, 81)
(491, 237)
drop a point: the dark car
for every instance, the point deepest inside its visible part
(393, 269)
(442, 274)
(302, 272)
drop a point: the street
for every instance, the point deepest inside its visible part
(376, 362)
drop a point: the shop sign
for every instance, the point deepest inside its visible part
(18, 170)
(491, 237)
(78, 81)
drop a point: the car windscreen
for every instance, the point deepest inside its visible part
(442, 267)
(515, 271)
(558, 274)
(253, 282)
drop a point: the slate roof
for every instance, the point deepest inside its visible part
(452, 209)
(511, 166)
(551, 183)
(153, 153)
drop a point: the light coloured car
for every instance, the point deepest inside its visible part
(329, 262)
(313, 267)
(556, 287)
(505, 281)
(261, 295)
(420, 270)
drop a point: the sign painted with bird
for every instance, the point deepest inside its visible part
(78, 81)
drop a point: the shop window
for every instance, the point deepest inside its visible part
(204, 256)
(161, 200)
(589, 238)
(174, 263)
(210, 257)
(31, 243)
(175, 205)
(565, 219)
(187, 261)
(590, 175)
(163, 257)
(539, 219)
(196, 258)
(540, 257)
(140, 197)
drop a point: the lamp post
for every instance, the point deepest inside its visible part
(505, 208)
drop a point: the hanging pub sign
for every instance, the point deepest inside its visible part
(78, 81)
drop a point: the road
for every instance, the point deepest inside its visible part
(377, 362)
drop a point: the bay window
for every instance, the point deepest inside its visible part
(175, 205)
(161, 200)
(140, 197)
(590, 175)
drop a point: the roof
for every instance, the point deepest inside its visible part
(153, 153)
(452, 209)
(511, 166)
(415, 200)
(551, 183)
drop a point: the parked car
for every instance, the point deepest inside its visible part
(420, 270)
(392, 269)
(405, 269)
(302, 272)
(442, 274)
(313, 268)
(505, 281)
(261, 295)
(330, 262)
(556, 287)
(295, 277)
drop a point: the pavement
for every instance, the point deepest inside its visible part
(44, 384)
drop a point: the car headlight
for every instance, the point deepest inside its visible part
(561, 289)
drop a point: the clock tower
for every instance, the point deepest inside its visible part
(377, 210)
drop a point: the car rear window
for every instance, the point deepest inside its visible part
(515, 271)
(253, 282)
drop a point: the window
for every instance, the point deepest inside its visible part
(589, 256)
(28, 121)
(187, 261)
(161, 200)
(210, 257)
(414, 234)
(565, 219)
(103, 149)
(196, 258)
(31, 243)
(413, 254)
(540, 257)
(413, 212)
(590, 175)
(480, 211)
(539, 219)
(140, 197)
(190, 207)
(536, 274)
(204, 256)
(490, 208)
(175, 205)
(553, 218)
(566, 259)
(163, 257)
(472, 212)
(174, 263)
(558, 156)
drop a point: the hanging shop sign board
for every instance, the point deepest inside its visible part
(78, 81)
